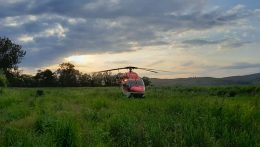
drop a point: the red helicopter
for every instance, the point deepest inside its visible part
(131, 83)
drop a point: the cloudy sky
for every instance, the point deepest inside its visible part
(188, 37)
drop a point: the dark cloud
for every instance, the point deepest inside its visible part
(242, 65)
(237, 44)
(98, 8)
(203, 42)
(156, 62)
(188, 64)
(227, 43)
(59, 28)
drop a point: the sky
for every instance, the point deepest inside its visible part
(189, 38)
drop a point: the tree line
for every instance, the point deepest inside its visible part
(66, 75)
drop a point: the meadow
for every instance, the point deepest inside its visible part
(167, 116)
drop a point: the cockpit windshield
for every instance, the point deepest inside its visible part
(135, 83)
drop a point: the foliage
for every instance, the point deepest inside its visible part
(16, 79)
(3, 80)
(46, 78)
(167, 116)
(68, 76)
(85, 80)
(65, 76)
(147, 81)
(96, 79)
(11, 54)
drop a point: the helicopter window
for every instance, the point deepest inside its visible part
(135, 83)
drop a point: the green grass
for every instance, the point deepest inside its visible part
(167, 116)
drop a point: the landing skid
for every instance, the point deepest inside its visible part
(135, 95)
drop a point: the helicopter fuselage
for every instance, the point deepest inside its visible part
(132, 84)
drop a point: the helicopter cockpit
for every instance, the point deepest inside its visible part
(138, 82)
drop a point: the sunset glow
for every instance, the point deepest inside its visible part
(79, 60)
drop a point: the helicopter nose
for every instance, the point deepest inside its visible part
(137, 89)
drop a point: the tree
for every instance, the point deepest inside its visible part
(147, 81)
(27, 80)
(14, 78)
(85, 80)
(68, 76)
(10, 54)
(3, 80)
(17, 79)
(107, 78)
(45, 78)
(97, 79)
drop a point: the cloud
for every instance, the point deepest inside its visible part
(120, 62)
(237, 12)
(25, 38)
(56, 30)
(51, 30)
(236, 44)
(203, 42)
(155, 63)
(224, 43)
(242, 65)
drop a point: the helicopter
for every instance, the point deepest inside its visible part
(131, 83)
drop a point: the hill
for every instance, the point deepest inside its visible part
(209, 81)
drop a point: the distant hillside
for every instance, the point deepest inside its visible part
(209, 81)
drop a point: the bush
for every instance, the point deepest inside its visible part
(39, 93)
(3, 80)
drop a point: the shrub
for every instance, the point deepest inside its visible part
(231, 94)
(39, 93)
(3, 80)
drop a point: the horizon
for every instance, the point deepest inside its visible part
(125, 70)
(202, 39)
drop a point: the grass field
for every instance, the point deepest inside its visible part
(169, 116)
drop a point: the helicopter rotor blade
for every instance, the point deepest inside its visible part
(148, 70)
(152, 71)
(112, 69)
(155, 70)
(133, 67)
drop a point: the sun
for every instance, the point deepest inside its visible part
(79, 59)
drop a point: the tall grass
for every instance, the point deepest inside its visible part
(167, 116)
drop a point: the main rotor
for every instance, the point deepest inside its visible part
(130, 68)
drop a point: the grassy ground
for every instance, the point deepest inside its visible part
(170, 116)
